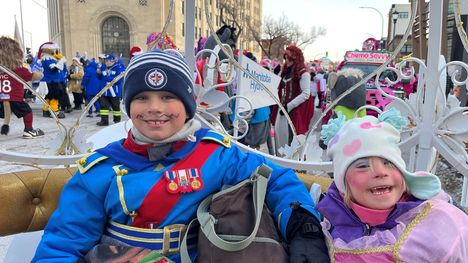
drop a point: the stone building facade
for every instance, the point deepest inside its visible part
(114, 26)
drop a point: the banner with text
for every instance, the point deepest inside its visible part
(249, 88)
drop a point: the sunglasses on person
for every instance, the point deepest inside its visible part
(286, 56)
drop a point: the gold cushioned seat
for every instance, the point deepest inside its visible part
(30, 197)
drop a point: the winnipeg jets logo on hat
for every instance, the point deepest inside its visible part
(156, 78)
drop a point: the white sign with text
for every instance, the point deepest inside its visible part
(251, 89)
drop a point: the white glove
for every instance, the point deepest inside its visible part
(61, 63)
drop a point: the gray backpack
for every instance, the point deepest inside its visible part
(236, 225)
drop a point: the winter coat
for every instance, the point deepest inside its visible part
(415, 231)
(294, 94)
(90, 80)
(51, 69)
(112, 73)
(76, 76)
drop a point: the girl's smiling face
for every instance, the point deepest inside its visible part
(375, 183)
(157, 114)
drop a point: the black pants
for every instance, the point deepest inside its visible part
(19, 108)
(77, 99)
(64, 99)
(54, 91)
(319, 95)
(108, 103)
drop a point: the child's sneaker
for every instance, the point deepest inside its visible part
(32, 133)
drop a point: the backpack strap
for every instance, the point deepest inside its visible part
(259, 180)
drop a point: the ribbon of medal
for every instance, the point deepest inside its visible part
(183, 180)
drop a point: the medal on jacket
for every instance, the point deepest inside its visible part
(183, 181)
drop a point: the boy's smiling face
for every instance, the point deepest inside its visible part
(157, 114)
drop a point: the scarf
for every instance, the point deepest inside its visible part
(162, 148)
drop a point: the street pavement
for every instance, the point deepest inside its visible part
(15, 143)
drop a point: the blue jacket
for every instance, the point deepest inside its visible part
(102, 75)
(260, 115)
(51, 72)
(90, 80)
(112, 72)
(91, 197)
(64, 74)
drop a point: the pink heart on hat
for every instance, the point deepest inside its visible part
(352, 148)
(369, 125)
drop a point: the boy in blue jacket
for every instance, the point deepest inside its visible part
(135, 191)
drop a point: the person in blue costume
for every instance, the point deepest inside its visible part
(143, 190)
(91, 87)
(52, 76)
(110, 99)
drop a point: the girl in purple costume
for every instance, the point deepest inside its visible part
(376, 210)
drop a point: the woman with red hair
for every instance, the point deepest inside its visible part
(294, 95)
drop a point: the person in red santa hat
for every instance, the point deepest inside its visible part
(135, 50)
(12, 90)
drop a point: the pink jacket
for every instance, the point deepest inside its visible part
(434, 231)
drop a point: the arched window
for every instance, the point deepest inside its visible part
(115, 37)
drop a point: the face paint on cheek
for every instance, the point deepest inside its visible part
(170, 116)
(356, 181)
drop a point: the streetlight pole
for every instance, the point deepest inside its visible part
(22, 27)
(190, 33)
(381, 18)
(395, 18)
(395, 15)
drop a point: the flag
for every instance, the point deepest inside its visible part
(18, 35)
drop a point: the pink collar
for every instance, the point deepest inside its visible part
(370, 216)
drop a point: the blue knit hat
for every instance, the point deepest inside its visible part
(159, 71)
